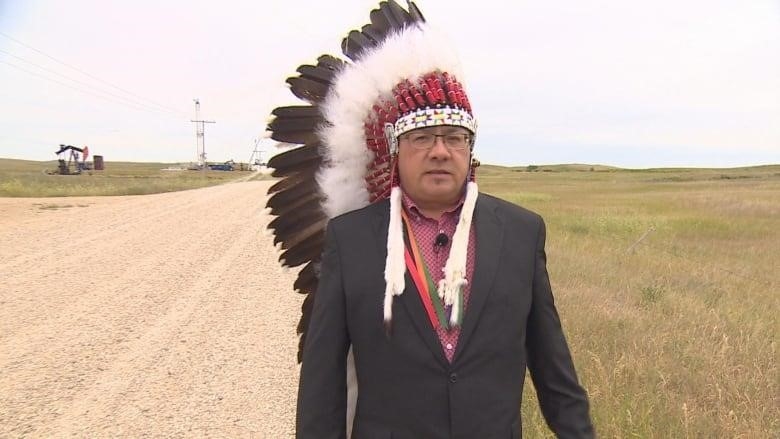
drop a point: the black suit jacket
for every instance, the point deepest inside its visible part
(407, 388)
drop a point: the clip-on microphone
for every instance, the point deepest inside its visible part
(441, 240)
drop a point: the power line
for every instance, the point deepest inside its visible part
(134, 106)
(96, 89)
(90, 75)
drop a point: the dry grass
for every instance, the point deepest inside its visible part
(674, 335)
(22, 178)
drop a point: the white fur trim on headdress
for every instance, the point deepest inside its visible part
(395, 264)
(451, 286)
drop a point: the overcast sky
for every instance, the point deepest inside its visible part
(624, 83)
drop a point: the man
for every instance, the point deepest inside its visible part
(440, 292)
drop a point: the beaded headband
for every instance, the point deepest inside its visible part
(429, 117)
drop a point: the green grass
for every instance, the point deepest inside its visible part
(667, 282)
(22, 178)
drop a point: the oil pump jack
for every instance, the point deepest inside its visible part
(72, 166)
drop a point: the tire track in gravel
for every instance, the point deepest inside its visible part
(174, 321)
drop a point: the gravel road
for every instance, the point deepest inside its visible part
(145, 316)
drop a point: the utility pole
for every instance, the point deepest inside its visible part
(257, 155)
(200, 135)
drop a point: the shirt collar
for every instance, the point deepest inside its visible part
(411, 206)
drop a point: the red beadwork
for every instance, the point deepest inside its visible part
(418, 97)
(401, 104)
(430, 86)
(439, 91)
(453, 97)
(424, 85)
(414, 92)
(380, 112)
(464, 99)
(381, 159)
(408, 99)
(393, 115)
(450, 89)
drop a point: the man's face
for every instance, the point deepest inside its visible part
(433, 170)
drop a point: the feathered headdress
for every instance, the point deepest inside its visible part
(403, 75)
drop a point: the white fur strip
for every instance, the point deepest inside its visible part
(395, 265)
(455, 269)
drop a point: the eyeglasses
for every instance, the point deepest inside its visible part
(454, 141)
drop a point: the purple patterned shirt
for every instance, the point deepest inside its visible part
(425, 231)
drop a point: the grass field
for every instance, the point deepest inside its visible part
(22, 178)
(667, 282)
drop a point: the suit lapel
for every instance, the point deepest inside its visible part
(411, 296)
(489, 234)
